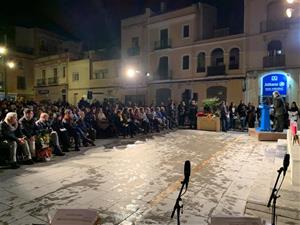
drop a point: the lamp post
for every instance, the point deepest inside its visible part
(5, 63)
(293, 5)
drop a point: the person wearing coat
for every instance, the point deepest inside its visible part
(279, 111)
(12, 136)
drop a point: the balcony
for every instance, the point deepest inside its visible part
(52, 81)
(273, 25)
(274, 61)
(234, 66)
(41, 82)
(133, 51)
(200, 69)
(162, 44)
(163, 75)
(216, 70)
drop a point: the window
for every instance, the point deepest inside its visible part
(201, 62)
(75, 76)
(163, 68)
(219, 92)
(217, 57)
(274, 48)
(135, 42)
(186, 62)
(234, 60)
(64, 72)
(43, 74)
(21, 83)
(101, 74)
(186, 31)
(55, 72)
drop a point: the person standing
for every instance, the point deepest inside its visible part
(294, 112)
(232, 115)
(279, 111)
(242, 111)
(181, 113)
(224, 116)
(193, 114)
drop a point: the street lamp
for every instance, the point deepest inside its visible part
(10, 64)
(290, 1)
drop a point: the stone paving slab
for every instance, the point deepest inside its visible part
(137, 181)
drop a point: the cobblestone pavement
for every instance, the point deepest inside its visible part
(138, 182)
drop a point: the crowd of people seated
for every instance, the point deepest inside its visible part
(31, 131)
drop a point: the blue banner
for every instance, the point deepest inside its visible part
(274, 82)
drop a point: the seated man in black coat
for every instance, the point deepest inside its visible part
(29, 129)
(11, 135)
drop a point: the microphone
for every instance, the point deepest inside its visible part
(187, 172)
(286, 163)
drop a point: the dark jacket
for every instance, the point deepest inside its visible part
(28, 127)
(43, 127)
(279, 106)
(6, 134)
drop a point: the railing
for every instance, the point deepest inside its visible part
(234, 66)
(274, 61)
(162, 44)
(133, 51)
(216, 70)
(273, 25)
(52, 80)
(200, 69)
(41, 82)
(163, 75)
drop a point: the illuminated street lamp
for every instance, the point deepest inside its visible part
(290, 1)
(3, 50)
(11, 64)
(289, 12)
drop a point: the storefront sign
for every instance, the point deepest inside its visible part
(275, 81)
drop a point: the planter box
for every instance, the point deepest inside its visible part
(209, 124)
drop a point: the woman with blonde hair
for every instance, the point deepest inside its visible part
(11, 135)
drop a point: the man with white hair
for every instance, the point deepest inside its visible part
(279, 111)
(11, 134)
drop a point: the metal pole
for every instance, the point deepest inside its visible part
(5, 69)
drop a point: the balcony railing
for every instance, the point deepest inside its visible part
(41, 82)
(273, 25)
(163, 75)
(200, 69)
(216, 70)
(133, 51)
(274, 61)
(162, 44)
(52, 80)
(234, 66)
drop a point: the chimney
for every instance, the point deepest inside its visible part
(162, 7)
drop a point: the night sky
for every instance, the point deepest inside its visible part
(97, 22)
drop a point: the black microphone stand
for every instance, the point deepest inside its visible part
(177, 206)
(274, 196)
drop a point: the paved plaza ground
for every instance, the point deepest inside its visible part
(137, 181)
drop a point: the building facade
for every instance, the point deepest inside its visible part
(273, 48)
(19, 79)
(98, 78)
(186, 58)
(51, 77)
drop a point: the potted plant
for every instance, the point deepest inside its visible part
(211, 120)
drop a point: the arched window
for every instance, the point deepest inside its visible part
(274, 48)
(219, 92)
(201, 62)
(217, 57)
(163, 68)
(163, 95)
(234, 59)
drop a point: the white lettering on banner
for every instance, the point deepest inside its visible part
(274, 78)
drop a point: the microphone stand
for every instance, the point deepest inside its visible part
(177, 206)
(274, 196)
